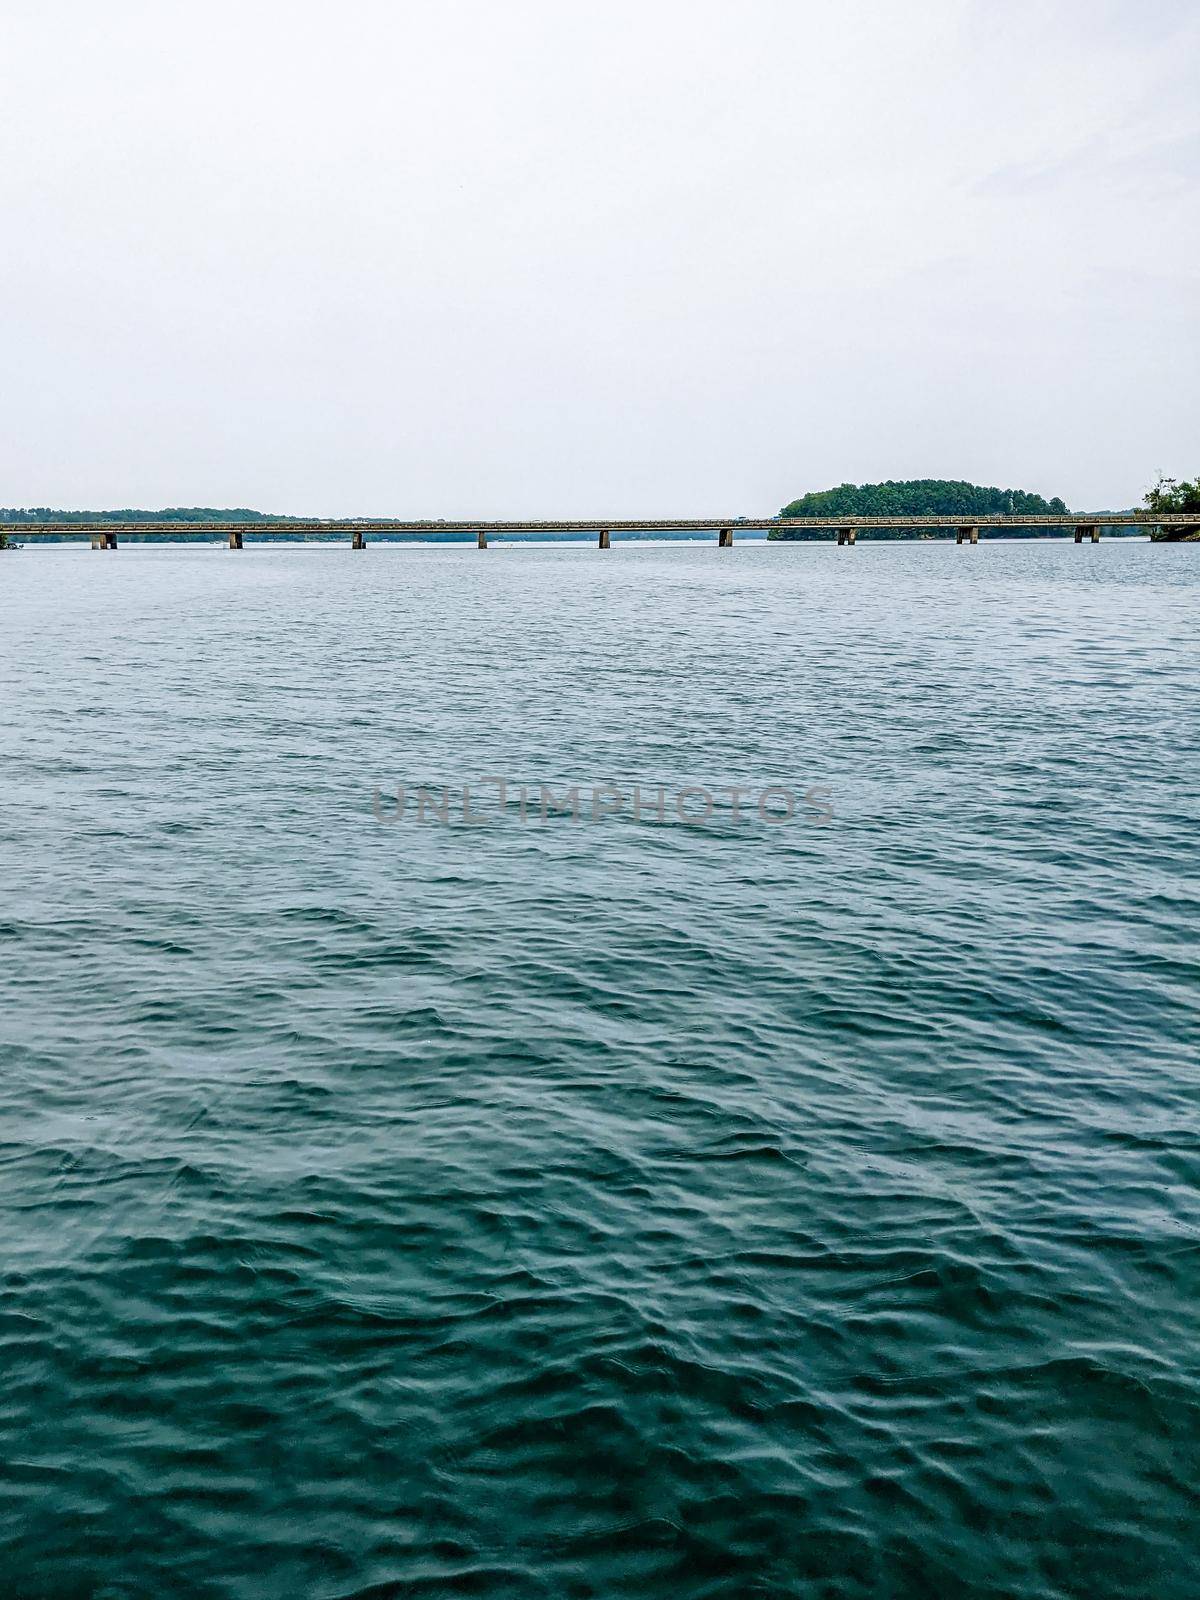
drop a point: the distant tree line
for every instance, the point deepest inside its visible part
(34, 514)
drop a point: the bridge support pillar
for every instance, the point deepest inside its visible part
(357, 540)
(967, 535)
(108, 541)
(1091, 528)
(481, 539)
(605, 542)
(97, 541)
(847, 535)
(725, 539)
(235, 539)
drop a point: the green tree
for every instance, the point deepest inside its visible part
(1170, 495)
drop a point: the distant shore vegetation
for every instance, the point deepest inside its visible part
(190, 514)
(186, 516)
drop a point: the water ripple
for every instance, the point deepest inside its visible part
(617, 1209)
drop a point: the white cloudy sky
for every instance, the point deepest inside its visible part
(521, 257)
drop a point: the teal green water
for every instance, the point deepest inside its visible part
(616, 1208)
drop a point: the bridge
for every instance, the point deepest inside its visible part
(106, 535)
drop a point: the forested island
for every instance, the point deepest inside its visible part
(915, 497)
(951, 497)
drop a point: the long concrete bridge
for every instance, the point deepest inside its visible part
(106, 535)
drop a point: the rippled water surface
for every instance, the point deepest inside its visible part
(611, 1208)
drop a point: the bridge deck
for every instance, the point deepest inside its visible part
(369, 525)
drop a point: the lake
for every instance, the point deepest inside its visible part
(788, 1193)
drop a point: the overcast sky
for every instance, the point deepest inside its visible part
(591, 257)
